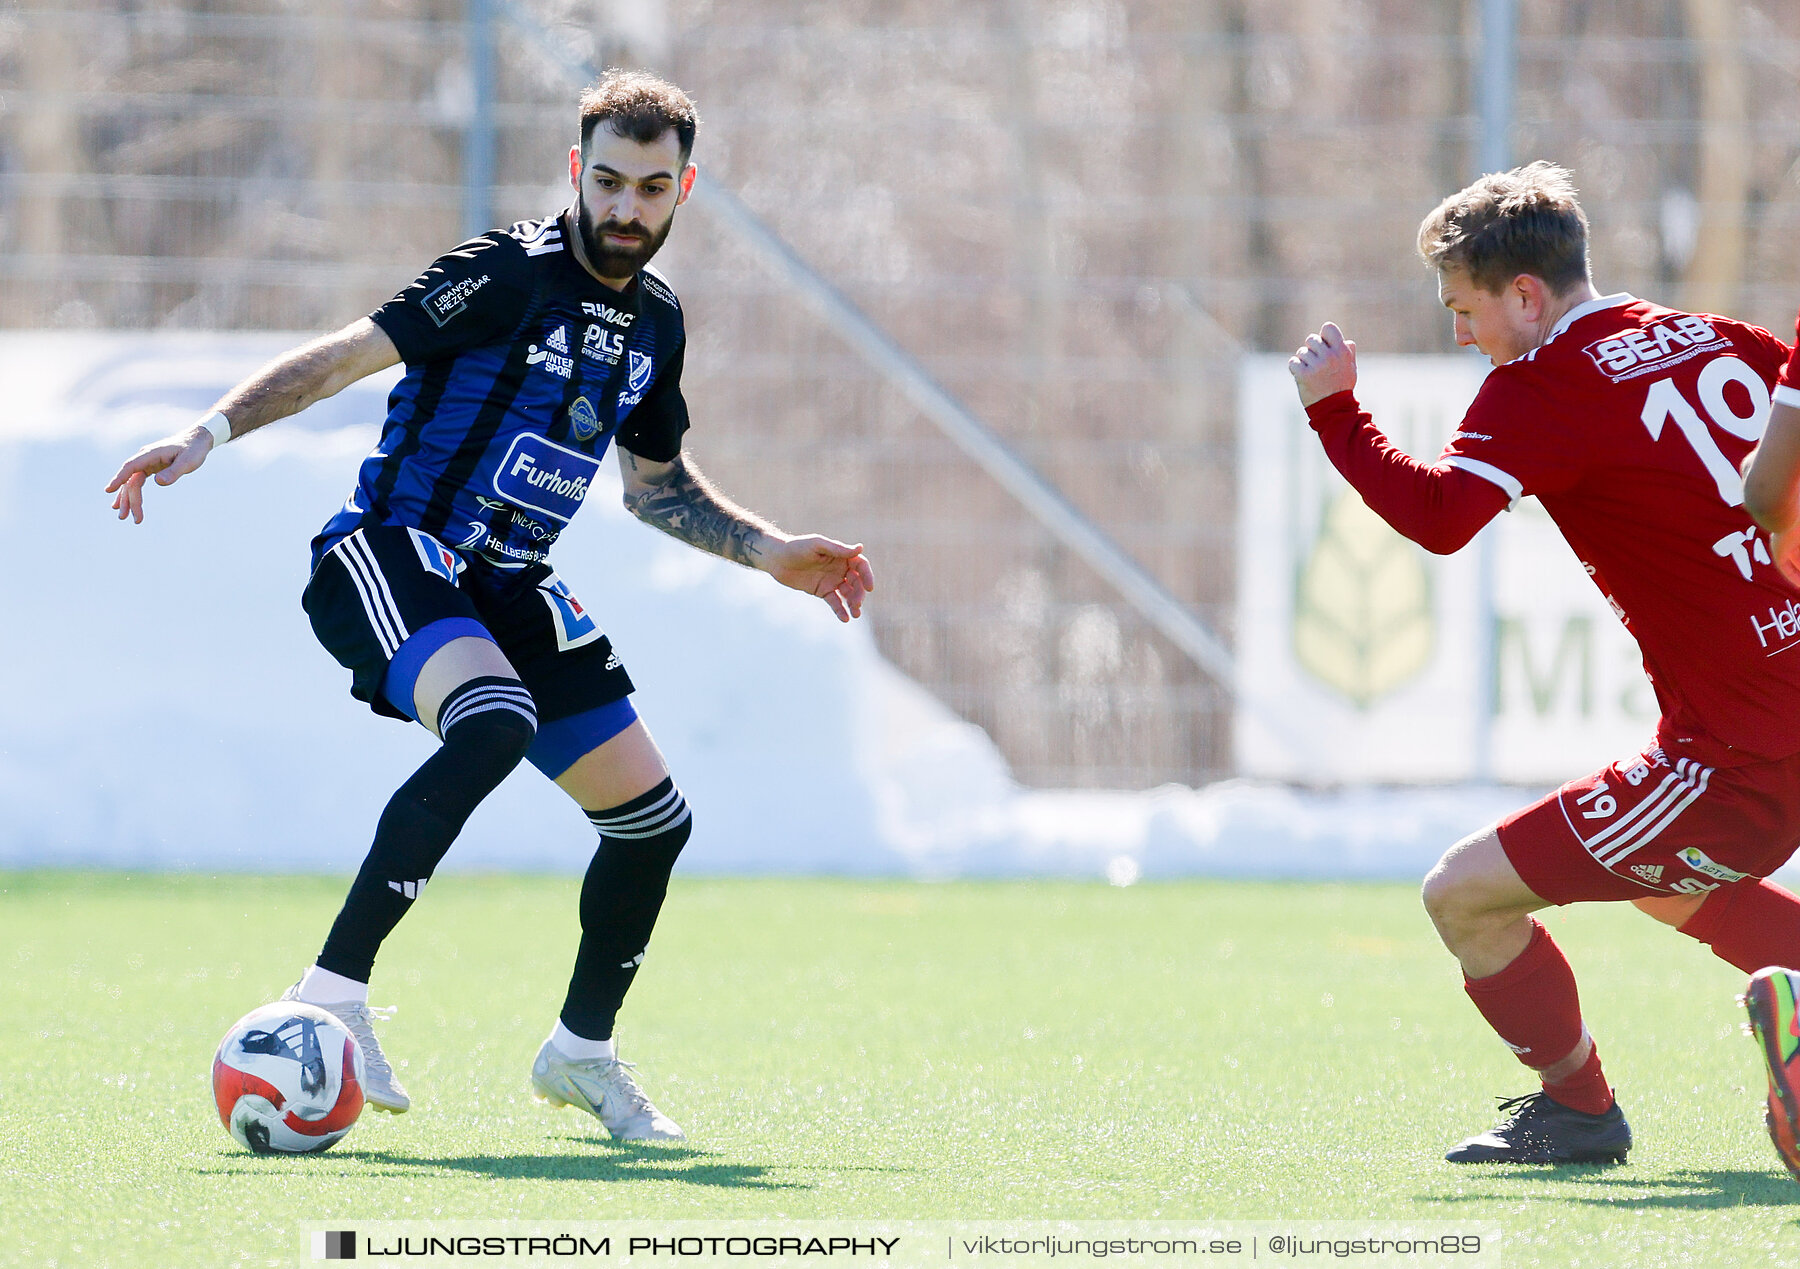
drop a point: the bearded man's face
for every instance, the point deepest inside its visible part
(626, 195)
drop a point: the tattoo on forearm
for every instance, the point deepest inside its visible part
(683, 504)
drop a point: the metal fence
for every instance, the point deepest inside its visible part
(1076, 215)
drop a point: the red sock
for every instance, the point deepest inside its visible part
(1749, 926)
(1534, 1007)
(1586, 1089)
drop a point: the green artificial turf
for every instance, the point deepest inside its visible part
(841, 1049)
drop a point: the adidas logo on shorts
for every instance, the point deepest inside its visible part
(1649, 872)
(411, 889)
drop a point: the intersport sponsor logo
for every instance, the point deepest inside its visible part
(556, 363)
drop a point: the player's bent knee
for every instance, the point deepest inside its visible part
(493, 716)
(1442, 897)
(1476, 882)
(660, 820)
(1462, 909)
(1444, 890)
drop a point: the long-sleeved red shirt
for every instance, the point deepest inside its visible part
(1628, 424)
(1438, 506)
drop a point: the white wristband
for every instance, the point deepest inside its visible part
(219, 426)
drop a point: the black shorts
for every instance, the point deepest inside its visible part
(385, 598)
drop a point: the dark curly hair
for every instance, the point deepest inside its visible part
(639, 106)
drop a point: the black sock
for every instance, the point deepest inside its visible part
(487, 725)
(620, 899)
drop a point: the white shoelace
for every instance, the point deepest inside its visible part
(618, 1076)
(356, 1015)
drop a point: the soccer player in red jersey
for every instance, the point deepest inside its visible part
(1628, 422)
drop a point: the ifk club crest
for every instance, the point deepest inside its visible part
(641, 365)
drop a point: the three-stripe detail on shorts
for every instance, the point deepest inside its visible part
(481, 696)
(1679, 789)
(378, 603)
(659, 817)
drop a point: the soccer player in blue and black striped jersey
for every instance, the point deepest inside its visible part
(528, 352)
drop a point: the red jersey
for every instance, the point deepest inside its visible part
(1629, 424)
(1787, 391)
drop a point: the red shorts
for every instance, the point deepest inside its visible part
(1655, 825)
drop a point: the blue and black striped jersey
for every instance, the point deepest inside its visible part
(520, 369)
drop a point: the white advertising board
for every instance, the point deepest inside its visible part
(1362, 657)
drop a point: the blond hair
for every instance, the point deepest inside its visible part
(1523, 221)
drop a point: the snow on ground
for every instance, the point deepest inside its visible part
(167, 707)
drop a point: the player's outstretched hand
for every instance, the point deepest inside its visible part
(1323, 365)
(834, 571)
(168, 460)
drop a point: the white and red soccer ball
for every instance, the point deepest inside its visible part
(288, 1079)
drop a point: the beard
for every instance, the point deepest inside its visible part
(610, 260)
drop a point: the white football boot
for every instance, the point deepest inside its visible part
(380, 1088)
(607, 1090)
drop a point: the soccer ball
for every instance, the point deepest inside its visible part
(288, 1079)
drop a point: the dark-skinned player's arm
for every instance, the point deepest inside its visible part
(285, 386)
(1438, 506)
(677, 499)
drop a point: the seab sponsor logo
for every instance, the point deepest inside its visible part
(1631, 353)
